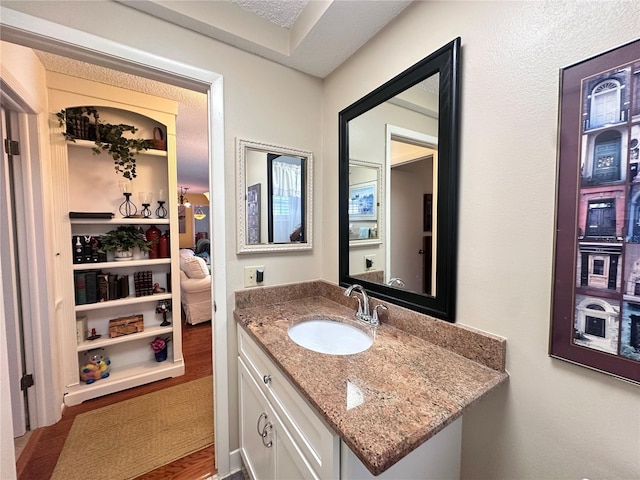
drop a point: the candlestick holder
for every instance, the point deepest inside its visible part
(145, 199)
(161, 211)
(127, 208)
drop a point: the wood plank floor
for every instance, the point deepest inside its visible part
(39, 457)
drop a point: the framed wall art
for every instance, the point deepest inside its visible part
(363, 201)
(596, 292)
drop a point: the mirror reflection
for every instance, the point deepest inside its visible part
(365, 192)
(400, 137)
(274, 186)
(398, 186)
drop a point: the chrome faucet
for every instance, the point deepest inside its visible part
(363, 306)
(395, 281)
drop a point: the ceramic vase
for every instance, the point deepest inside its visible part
(161, 356)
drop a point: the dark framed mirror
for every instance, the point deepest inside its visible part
(398, 236)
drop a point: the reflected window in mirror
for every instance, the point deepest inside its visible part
(407, 129)
(274, 197)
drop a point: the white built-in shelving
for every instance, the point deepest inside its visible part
(86, 182)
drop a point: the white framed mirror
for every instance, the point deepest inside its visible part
(275, 197)
(366, 207)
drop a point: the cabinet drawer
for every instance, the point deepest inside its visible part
(313, 436)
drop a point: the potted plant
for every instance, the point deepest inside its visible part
(106, 136)
(159, 347)
(123, 240)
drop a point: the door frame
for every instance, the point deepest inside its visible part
(41, 34)
(16, 326)
(394, 132)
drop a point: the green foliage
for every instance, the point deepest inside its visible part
(106, 136)
(125, 237)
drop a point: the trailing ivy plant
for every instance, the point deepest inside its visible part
(106, 136)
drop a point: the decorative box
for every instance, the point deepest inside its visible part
(125, 325)
(82, 329)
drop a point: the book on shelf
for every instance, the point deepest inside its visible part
(91, 285)
(113, 287)
(80, 287)
(123, 286)
(103, 287)
(143, 283)
(95, 215)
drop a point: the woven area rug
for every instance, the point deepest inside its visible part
(133, 437)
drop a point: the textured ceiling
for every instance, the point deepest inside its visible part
(314, 36)
(282, 13)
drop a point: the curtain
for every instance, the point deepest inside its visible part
(287, 188)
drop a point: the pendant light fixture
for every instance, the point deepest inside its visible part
(198, 213)
(184, 201)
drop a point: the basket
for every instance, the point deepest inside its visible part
(157, 142)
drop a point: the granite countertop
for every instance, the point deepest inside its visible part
(383, 402)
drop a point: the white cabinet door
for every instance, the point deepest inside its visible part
(267, 447)
(256, 437)
(290, 463)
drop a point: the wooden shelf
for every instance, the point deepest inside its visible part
(123, 302)
(90, 144)
(148, 262)
(120, 221)
(121, 378)
(105, 341)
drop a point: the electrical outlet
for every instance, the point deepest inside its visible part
(369, 261)
(251, 275)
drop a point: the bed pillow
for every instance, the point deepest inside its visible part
(194, 267)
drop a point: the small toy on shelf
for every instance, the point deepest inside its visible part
(95, 365)
(94, 335)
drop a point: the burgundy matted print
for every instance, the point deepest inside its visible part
(596, 292)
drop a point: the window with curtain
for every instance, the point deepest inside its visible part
(286, 185)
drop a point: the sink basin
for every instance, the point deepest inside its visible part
(325, 335)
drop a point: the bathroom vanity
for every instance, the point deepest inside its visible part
(391, 411)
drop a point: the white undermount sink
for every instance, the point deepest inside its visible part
(326, 335)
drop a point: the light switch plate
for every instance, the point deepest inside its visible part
(372, 259)
(250, 274)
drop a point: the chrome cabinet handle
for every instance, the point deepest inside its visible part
(261, 431)
(266, 379)
(267, 428)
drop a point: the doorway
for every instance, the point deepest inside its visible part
(34, 33)
(10, 227)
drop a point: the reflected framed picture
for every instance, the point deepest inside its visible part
(253, 214)
(363, 201)
(427, 212)
(596, 293)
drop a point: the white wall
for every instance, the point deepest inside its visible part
(554, 420)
